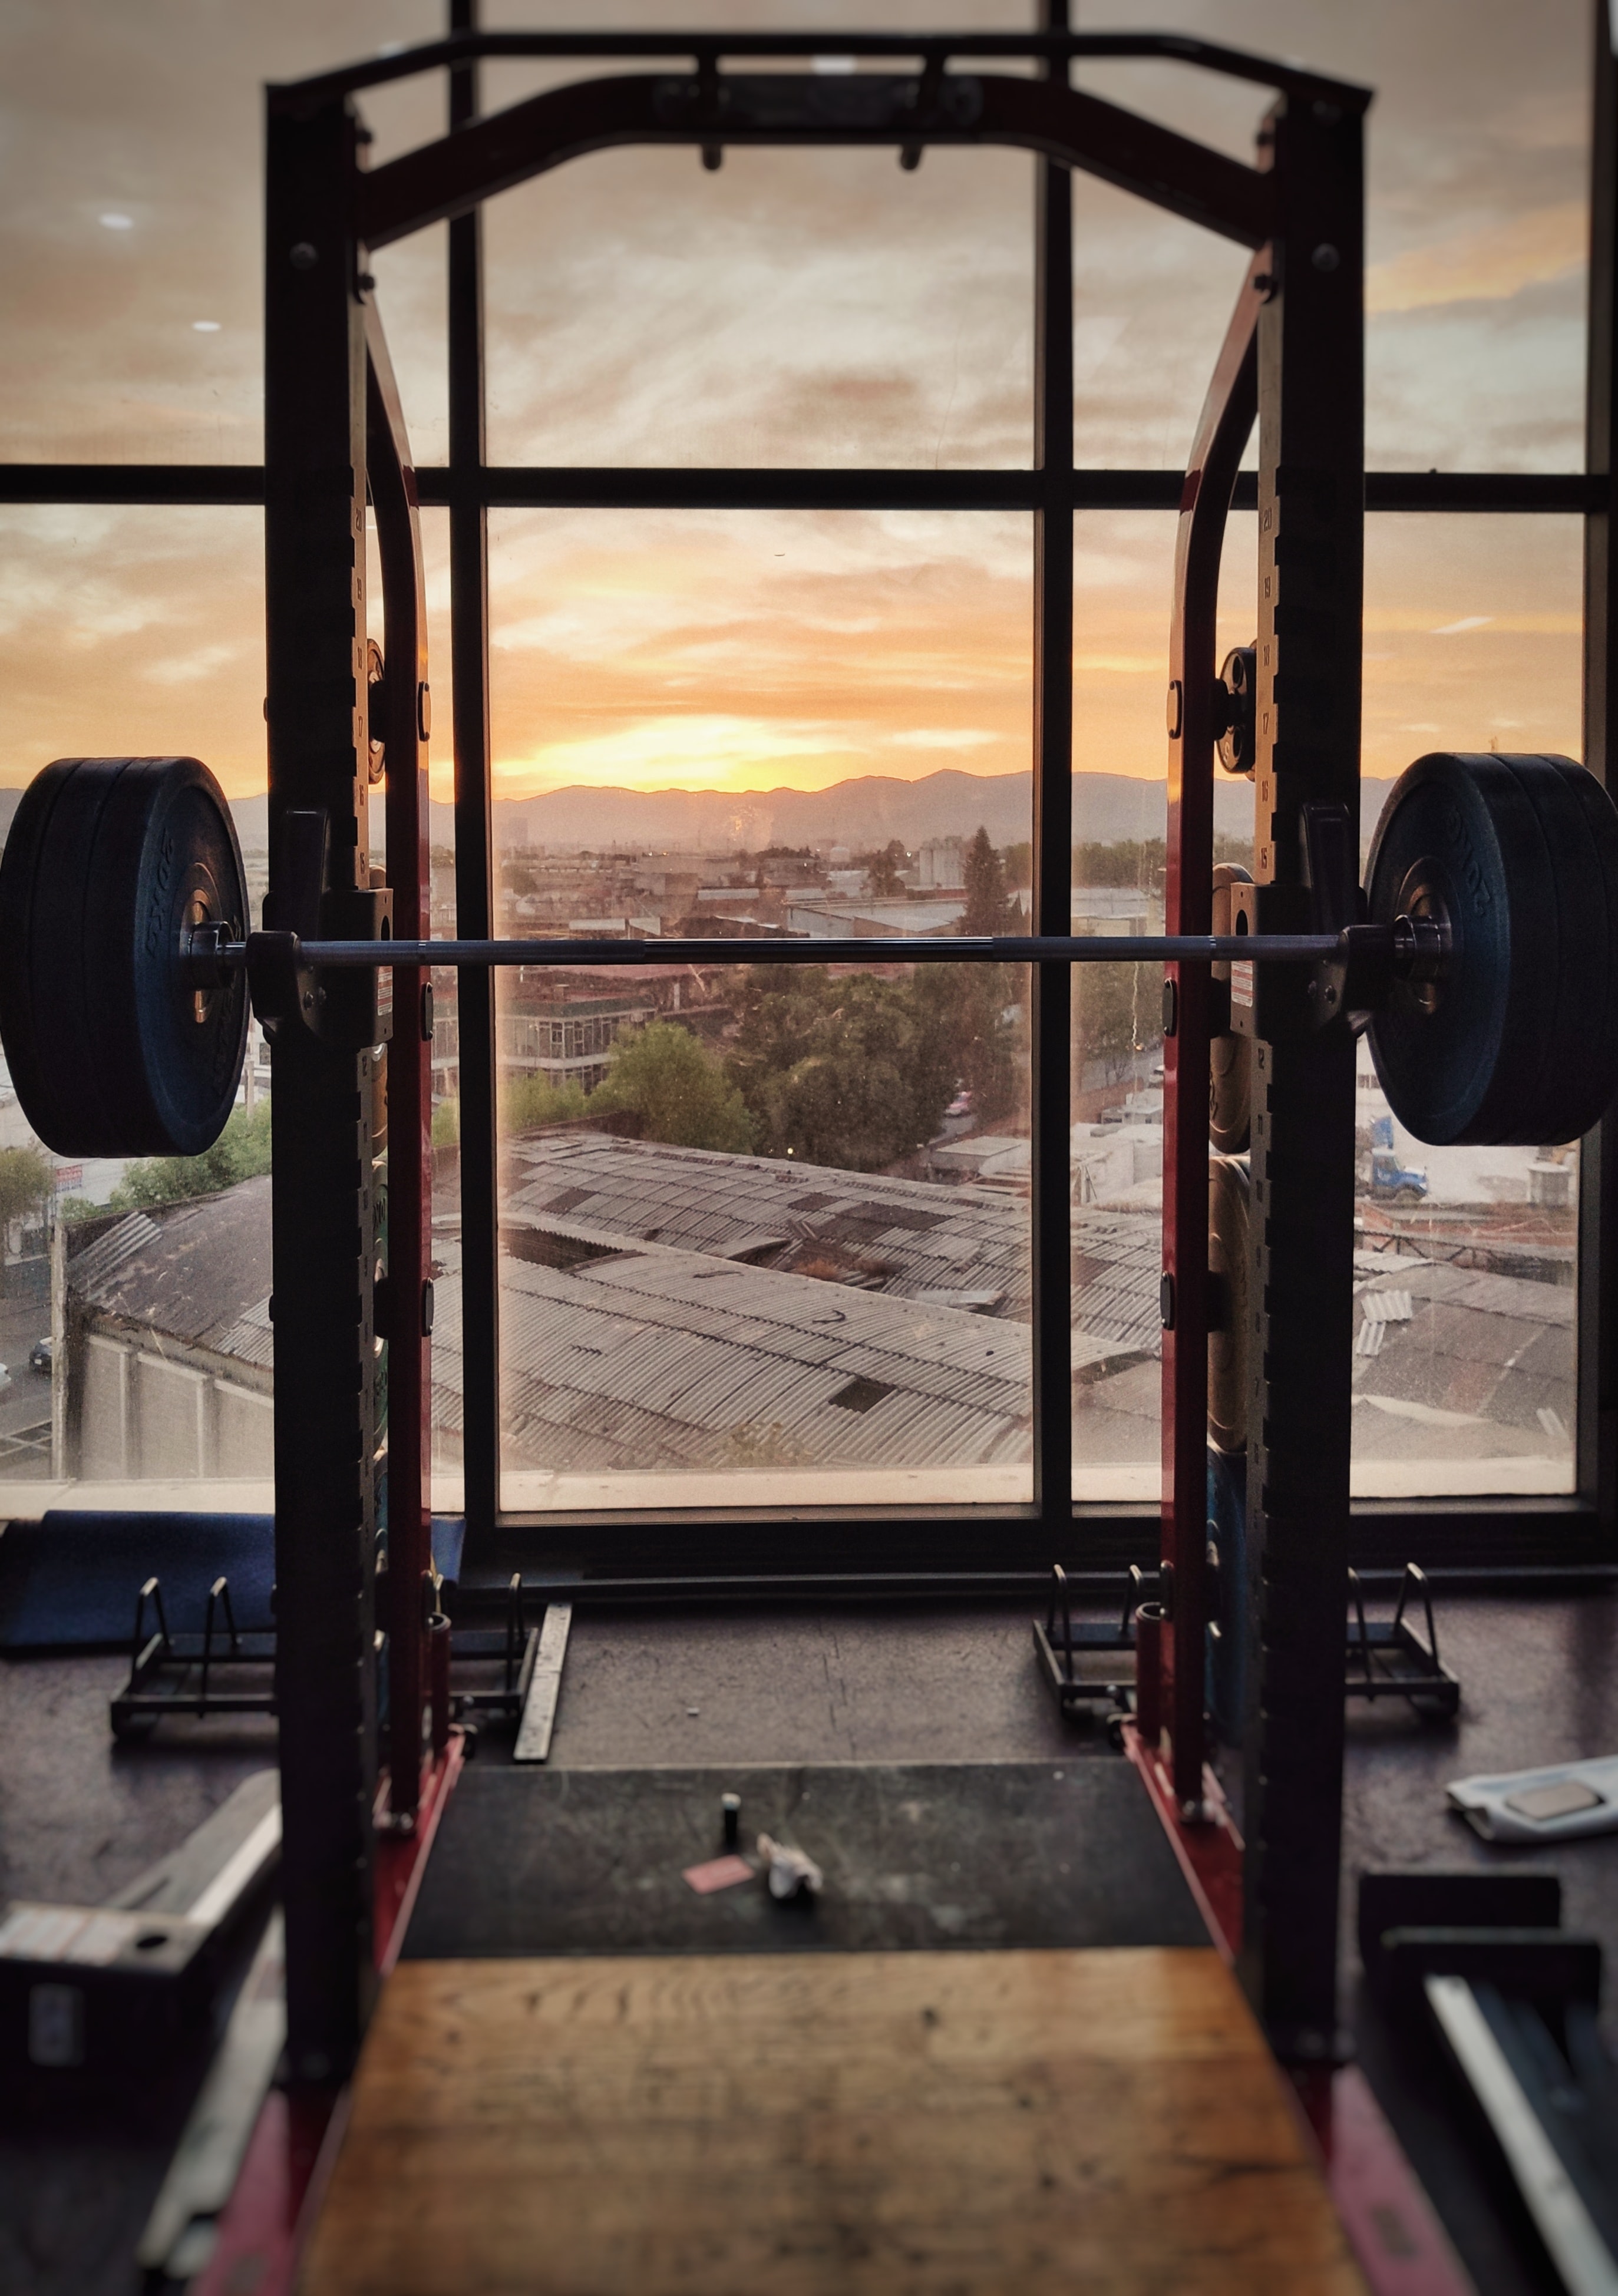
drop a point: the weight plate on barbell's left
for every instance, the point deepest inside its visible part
(113, 1048)
(1517, 1041)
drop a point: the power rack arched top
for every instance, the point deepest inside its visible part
(333, 433)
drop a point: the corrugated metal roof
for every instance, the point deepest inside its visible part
(909, 1235)
(661, 1358)
(193, 1270)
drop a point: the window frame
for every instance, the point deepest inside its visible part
(671, 1548)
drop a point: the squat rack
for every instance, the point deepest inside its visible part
(1294, 357)
(334, 426)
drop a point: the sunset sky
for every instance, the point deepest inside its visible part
(795, 309)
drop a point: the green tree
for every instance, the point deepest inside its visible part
(531, 1101)
(989, 908)
(680, 1094)
(241, 1152)
(972, 1014)
(1128, 861)
(26, 1180)
(1117, 1013)
(1018, 862)
(883, 882)
(853, 1071)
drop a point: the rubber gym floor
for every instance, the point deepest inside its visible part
(889, 1716)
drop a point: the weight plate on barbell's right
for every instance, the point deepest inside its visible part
(1518, 1042)
(113, 1049)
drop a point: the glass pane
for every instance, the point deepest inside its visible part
(140, 632)
(1152, 299)
(134, 1306)
(795, 309)
(132, 265)
(1123, 589)
(1465, 1323)
(712, 682)
(1472, 639)
(808, 1188)
(840, 1316)
(1477, 231)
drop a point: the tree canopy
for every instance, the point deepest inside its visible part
(856, 1071)
(883, 881)
(530, 1100)
(26, 1178)
(990, 908)
(241, 1152)
(681, 1095)
(1117, 1013)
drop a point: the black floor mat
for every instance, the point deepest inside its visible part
(915, 1855)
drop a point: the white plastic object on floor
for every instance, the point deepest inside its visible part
(790, 1870)
(1555, 1804)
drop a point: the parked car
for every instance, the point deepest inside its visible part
(39, 1354)
(961, 1105)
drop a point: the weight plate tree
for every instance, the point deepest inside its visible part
(111, 865)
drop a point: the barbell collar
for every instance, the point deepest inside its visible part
(1422, 947)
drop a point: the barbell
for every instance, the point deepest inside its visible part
(1483, 959)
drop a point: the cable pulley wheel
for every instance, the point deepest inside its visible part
(1517, 1041)
(111, 863)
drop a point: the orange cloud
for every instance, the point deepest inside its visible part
(1485, 265)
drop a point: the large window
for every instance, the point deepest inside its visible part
(766, 1237)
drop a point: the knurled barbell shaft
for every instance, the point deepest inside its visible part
(1080, 948)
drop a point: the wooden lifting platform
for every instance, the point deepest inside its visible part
(934, 2122)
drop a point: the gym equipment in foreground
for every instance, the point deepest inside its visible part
(1486, 966)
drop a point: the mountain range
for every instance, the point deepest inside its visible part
(859, 813)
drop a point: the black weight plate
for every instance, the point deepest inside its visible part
(112, 1051)
(1518, 854)
(1578, 1019)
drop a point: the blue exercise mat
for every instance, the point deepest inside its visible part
(70, 1582)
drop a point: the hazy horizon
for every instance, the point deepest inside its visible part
(795, 309)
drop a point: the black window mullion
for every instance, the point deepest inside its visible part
(474, 840)
(1596, 1434)
(1050, 996)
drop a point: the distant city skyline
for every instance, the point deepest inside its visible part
(795, 309)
